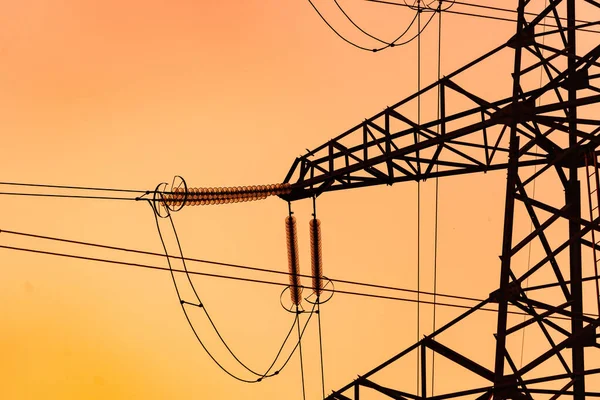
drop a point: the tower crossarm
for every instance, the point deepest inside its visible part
(393, 146)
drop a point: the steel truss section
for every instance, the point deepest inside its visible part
(531, 139)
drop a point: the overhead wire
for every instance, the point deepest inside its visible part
(73, 187)
(273, 283)
(230, 265)
(418, 292)
(281, 284)
(295, 288)
(342, 281)
(417, 140)
(508, 10)
(491, 17)
(204, 308)
(50, 186)
(359, 28)
(267, 374)
(437, 191)
(419, 10)
(182, 304)
(301, 358)
(94, 259)
(390, 44)
(68, 196)
(393, 43)
(321, 346)
(252, 280)
(539, 99)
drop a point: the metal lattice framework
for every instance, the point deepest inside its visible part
(551, 140)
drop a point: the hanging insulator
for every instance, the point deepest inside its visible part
(293, 260)
(316, 256)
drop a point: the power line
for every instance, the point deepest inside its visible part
(68, 196)
(394, 43)
(301, 358)
(207, 274)
(238, 266)
(493, 8)
(203, 306)
(490, 17)
(433, 11)
(358, 27)
(388, 44)
(261, 281)
(418, 136)
(45, 185)
(321, 346)
(437, 196)
(529, 246)
(212, 357)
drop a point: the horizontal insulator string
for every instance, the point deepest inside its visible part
(222, 195)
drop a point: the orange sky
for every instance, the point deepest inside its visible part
(128, 94)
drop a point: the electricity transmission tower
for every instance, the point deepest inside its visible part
(546, 132)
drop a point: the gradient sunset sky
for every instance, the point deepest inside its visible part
(128, 94)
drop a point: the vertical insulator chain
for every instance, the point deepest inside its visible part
(293, 260)
(316, 256)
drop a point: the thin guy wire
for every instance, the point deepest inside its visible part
(539, 101)
(238, 266)
(418, 188)
(301, 362)
(437, 191)
(321, 346)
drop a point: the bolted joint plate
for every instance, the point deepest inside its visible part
(511, 293)
(507, 388)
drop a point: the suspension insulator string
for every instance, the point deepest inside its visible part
(316, 253)
(295, 288)
(293, 259)
(317, 277)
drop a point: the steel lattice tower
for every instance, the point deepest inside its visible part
(554, 141)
